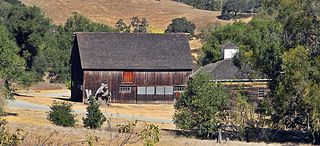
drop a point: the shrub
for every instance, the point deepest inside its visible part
(94, 118)
(198, 108)
(68, 84)
(6, 138)
(129, 134)
(61, 114)
(150, 135)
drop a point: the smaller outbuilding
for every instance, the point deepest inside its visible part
(226, 72)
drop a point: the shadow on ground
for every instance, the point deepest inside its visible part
(266, 135)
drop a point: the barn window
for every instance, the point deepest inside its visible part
(159, 90)
(179, 88)
(124, 89)
(168, 90)
(261, 92)
(150, 90)
(141, 90)
(127, 77)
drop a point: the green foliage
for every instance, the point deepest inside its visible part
(198, 108)
(214, 5)
(206, 32)
(265, 45)
(222, 35)
(8, 139)
(80, 23)
(5, 94)
(136, 25)
(181, 25)
(44, 46)
(61, 114)
(12, 66)
(27, 25)
(297, 102)
(121, 26)
(94, 117)
(68, 84)
(232, 8)
(259, 42)
(139, 25)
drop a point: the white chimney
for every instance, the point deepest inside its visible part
(229, 51)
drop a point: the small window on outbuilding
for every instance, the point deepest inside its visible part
(124, 89)
(179, 88)
(261, 92)
(127, 77)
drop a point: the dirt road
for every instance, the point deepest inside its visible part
(66, 94)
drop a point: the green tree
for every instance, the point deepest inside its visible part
(61, 114)
(233, 33)
(27, 25)
(79, 23)
(214, 5)
(181, 25)
(297, 102)
(198, 108)
(138, 25)
(54, 51)
(11, 66)
(94, 117)
(121, 26)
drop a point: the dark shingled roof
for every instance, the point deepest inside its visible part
(134, 51)
(226, 70)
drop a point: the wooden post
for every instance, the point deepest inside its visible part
(219, 136)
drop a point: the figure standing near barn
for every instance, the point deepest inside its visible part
(103, 94)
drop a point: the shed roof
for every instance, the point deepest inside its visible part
(225, 70)
(135, 51)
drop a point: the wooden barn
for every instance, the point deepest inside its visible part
(138, 68)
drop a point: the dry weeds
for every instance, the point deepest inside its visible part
(36, 126)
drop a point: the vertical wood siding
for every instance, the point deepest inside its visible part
(93, 79)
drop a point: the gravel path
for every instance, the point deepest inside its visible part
(32, 106)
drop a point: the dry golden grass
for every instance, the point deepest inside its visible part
(47, 86)
(158, 13)
(67, 135)
(163, 111)
(35, 124)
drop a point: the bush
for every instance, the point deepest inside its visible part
(94, 118)
(198, 108)
(129, 134)
(181, 25)
(6, 138)
(68, 84)
(150, 135)
(61, 114)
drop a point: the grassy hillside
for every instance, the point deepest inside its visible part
(159, 13)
